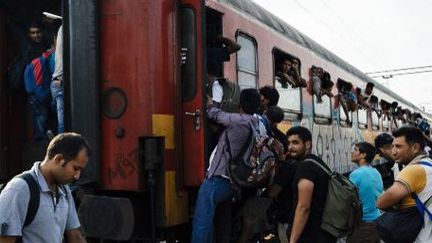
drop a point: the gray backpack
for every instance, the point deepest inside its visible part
(231, 94)
(343, 209)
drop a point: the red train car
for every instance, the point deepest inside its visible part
(135, 88)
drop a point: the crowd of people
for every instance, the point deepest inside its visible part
(289, 207)
(279, 197)
(37, 70)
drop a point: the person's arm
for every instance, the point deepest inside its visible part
(230, 44)
(392, 196)
(221, 117)
(305, 191)
(8, 239)
(75, 236)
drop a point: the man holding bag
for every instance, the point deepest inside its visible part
(411, 192)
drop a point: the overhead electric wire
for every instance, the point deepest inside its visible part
(391, 75)
(399, 69)
(349, 42)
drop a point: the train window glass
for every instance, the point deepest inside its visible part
(247, 72)
(375, 120)
(290, 96)
(322, 110)
(386, 123)
(362, 118)
(188, 49)
(290, 99)
(344, 120)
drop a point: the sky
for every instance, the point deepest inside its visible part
(370, 35)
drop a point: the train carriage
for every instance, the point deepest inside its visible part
(135, 74)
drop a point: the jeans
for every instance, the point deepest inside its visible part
(212, 193)
(39, 113)
(57, 95)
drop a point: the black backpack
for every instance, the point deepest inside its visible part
(33, 204)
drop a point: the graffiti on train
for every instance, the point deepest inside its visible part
(333, 143)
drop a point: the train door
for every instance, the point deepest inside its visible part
(192, 15)
(3, 99)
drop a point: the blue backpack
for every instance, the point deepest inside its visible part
(37, 76)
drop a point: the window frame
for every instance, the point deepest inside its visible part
(375, 127)
(362, 126)
(344, 123)
(321, 119)
(290, 114)
(249, 37)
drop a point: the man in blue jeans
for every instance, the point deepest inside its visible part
(57, 81)
(216, 188)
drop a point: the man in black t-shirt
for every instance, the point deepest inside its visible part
(310, 188)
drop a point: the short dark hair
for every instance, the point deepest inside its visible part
(271, 94)
(370, 84)
(35, 23)
(303, 133)
(275, 114)
(68, 144)
(250, 101)
(368, 149)
(382, 140)
(412, 135)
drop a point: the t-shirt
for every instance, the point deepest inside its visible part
(312, 172)
(217, 92)
(284, 178)
(370, 185)
(417, 179)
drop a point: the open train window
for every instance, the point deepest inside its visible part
(247, 68)
(362, 115)
(290, 95)
(322, 110)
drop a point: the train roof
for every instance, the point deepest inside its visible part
(269, 19)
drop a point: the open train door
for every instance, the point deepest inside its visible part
(3, 97)
(192, 29)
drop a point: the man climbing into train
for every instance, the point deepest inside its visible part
(217, 187)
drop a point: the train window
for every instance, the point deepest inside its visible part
(247, 68)
(188, 49)
(321, 83)
(386, 123)
(344, 120)
(362, 118)
(290, 96)
(322, 110)
(375, 120)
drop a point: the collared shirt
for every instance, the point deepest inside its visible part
(236, 132)
(416, 179)
(56, 213)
